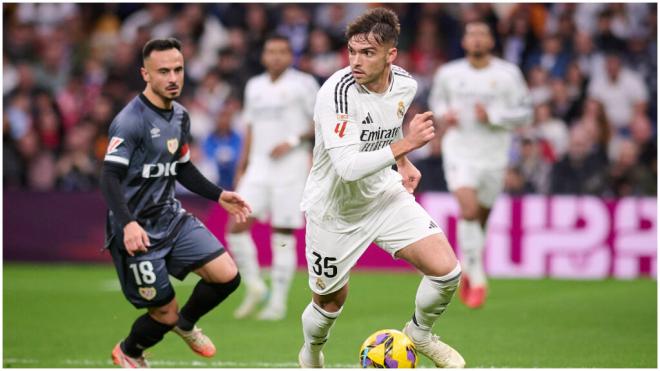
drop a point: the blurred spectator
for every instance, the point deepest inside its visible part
(295, 25)
(515, 183)
(579, 171)
(41, 172)
(552, 131)
(324, 60)
(223, 146)
(533, 166)
(598, 128)
(155, 16)
(539, 86)
(627, 177)
(586, 56)
(551, 57)
(77, 167)
(621, 91)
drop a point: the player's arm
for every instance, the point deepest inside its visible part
(244, 157)
(517, 111)
(352, 165)
(190, 177)
(124, 138)
(309, 89)
(409, 172)
(439, 101)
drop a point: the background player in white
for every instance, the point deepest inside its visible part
(271, 173)
(480, 98)
(353, 197)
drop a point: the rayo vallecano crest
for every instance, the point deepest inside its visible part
(147, 292)
(172, 145)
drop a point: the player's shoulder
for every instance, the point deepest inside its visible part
(338, 81)
(178, 107)
(506, 66)
(403, 78)
(454, 66)
(300, 77)
(131, 116)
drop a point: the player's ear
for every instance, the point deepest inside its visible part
(145, 74)
(391, 55)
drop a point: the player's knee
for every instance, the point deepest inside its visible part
(470, 212)
(167, 314)
(225, 288)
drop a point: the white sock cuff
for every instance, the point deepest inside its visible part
(325, 313)
(454, 275)
(470, 234)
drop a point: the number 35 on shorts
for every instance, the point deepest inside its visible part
(324, 265)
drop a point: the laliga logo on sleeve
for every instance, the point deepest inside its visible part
(114, 143)
(339, 129)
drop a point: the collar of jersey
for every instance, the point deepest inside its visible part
(166, 113)
(383, 93)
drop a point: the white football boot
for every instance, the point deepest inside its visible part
(440, 353)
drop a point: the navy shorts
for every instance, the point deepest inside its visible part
(144, 277)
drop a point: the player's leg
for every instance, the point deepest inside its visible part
(197, 250)
(471, 239)
(411, 234)
(330, 257)
(285, 218)
(317, 320)
(244, 250)
(145, 283)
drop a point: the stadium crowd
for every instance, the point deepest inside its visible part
(591, 70)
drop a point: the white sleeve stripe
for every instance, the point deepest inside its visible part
(112, 158)
(186, 157)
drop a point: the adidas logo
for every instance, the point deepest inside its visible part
(368, 119)
(433, 225)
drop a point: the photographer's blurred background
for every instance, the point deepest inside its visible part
(591, 68)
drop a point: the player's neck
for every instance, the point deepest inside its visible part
(157, 100)
(479, 62)
(274, 75)
(381, 84)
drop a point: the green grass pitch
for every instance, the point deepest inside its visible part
(72, 316)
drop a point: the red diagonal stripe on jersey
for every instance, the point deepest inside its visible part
(114, 143)
(339, 129)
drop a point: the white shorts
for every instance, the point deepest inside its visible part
(488, 182)
(331, 255)
(280, 202)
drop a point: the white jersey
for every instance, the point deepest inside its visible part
(346, 113)
(501, 88)
(276, 111)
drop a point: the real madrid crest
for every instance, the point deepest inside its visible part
(320, 284)
(172, 145)
(147, 292)
(401, 110)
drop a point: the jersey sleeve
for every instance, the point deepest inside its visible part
(184, 154)
(439, 96)
(310, 89)
(517, 109)
(248, 110)
(125, 136)
(336, 114)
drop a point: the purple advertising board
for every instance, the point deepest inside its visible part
(531, 236)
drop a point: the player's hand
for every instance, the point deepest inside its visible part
(280, 150)
(421, 129)
(411, 175)
(480, 113)
(450, 118)
(235, 205)
(135, 238)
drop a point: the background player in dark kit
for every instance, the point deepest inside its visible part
(149, 234)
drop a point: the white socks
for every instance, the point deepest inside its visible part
(433, 296)
(245, 255)
(316, 324)
(471, 239)
(283, 268)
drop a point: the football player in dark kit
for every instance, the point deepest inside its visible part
(148, 233)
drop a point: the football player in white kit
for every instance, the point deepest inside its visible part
(480, 98)
(271, 174)
(353, 197)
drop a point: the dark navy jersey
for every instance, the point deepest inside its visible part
(151, 142)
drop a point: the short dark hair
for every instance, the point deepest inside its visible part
(276, 37)
(382, 23)
(160, 44)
